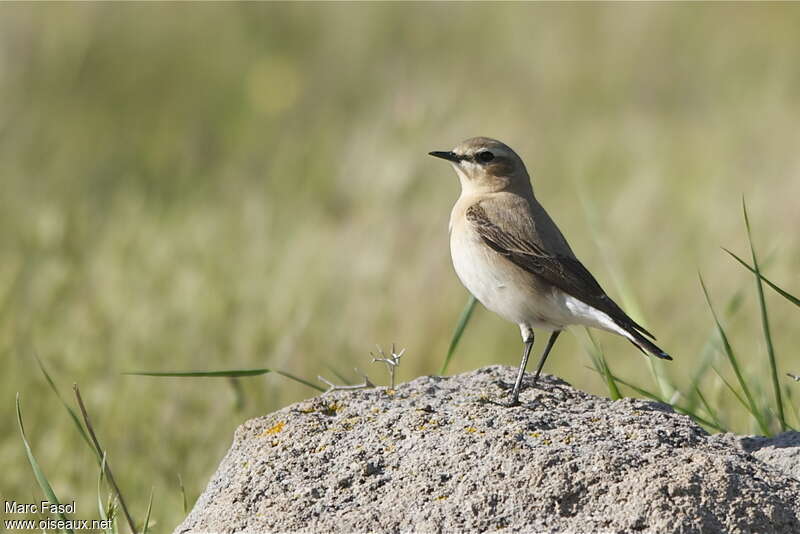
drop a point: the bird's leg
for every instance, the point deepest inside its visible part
(526, 352)
(550, 343)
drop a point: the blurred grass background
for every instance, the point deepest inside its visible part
(229, 186)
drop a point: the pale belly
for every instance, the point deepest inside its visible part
(515, 294)
(504, 288)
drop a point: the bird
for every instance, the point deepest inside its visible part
(509, 253)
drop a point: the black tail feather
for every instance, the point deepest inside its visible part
(645, 345)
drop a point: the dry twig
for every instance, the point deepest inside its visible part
(392, 361)
(367, 383)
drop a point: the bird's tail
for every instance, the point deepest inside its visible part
(644, 344)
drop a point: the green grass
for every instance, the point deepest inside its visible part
(227, 373)
(246, 186)
(602, 367)
(38, 473)
(461, 325)
(762, 306)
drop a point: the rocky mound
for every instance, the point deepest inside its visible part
(442, 455)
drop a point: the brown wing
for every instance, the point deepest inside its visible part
(566, 273)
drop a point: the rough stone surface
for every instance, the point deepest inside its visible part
(441, 455)
(781, 452)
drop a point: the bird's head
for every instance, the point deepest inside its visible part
(486, 165)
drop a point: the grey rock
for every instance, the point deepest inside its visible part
(443, 455)
(781, 452)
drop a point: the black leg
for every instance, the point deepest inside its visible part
(526, 352)
(550, 343)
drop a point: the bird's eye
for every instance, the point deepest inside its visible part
(484, 157)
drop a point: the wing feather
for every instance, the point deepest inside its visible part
(566, 273)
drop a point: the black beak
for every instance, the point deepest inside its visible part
(449, 156)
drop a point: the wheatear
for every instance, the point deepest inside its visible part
(510, 254)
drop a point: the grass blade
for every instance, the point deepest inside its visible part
(731, 355)
(709, 411)
(227, 373)
(100, 506)
(147, 515)
(785, 294)
(601, 365)
(69, 409)
(641, 391)
(732, 390)
(183, 495)
(100, 451)
(466, 313)
(300, 380)
(239, 397)
(41, 479)
(106, 511)
(708, 353)
(762, 304)
(230, 373)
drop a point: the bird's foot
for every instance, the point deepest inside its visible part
(514, 400)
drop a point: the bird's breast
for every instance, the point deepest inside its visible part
(475, 267)
(502, 287)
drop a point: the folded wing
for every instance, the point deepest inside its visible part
(564, 272)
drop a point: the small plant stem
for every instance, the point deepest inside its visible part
(392, 362)
(366, 384)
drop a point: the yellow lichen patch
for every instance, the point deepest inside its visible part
(421, 427)
(273, 430)
(440, 498)
(535, 434)
(471, 429)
